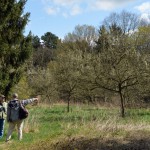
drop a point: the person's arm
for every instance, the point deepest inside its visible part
(29, 101)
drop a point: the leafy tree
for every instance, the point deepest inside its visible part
(67, 73)
(43, 83)
(115, 73)
(108, 37)
(118, 67)
(15, 48)
(42, 56)
(143, 48)
(5, 6)
(102, 43)
(50, 40)
(36, 42)
(143, 38)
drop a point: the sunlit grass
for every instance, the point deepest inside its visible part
(31, 124)
(54, 123)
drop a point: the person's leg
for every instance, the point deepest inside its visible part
(10, 130)
(2, 121)
(20, 128)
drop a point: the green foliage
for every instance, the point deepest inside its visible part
(50, 40)
(44, 49)
(102, 43)
(23, 89)
(15, 49)
(74, 70)
(67, 73)
(42, 57)
(143, 39)
(42, 83)
(118, 67)
(36, 42)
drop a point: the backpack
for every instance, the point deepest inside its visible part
(16, 111)
(23, 112)
(12, 113)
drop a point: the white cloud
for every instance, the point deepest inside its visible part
(75, 10)
(145, 7)
(103, 5)
(66, 2)
(146, 17)
(66, 7)
(75, 7)
(65, 15)
(52, 10)
(108, 5)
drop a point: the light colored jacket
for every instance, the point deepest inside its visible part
(3, 110)
(13, 108)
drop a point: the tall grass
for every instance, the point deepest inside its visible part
(31, 124)
(53, 123)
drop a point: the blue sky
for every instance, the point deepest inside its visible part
(61, 16)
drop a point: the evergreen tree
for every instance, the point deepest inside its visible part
(103, 41)
(36, 42)
(109, 37)
(15, 48)
(50, 40)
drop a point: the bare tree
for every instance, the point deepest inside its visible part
(127, 21)
(82, 33)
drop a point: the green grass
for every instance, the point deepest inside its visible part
(52, 124)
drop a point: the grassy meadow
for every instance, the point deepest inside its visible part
(84, 127)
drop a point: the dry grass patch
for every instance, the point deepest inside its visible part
(31, 124)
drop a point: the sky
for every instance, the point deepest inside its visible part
(61, 16)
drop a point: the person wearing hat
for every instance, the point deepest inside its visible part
(13, 115)
(3, 112)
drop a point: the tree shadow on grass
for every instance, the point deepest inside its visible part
(101, 144)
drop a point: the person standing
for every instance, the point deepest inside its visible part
(13, 115)
(3, 112)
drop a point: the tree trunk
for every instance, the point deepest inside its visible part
(122, 102)
(68, 107)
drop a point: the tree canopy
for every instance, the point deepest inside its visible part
(15, 48)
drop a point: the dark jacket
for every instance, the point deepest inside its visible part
(13, 108)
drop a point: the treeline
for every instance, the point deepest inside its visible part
(96, 64)
(89, 65)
